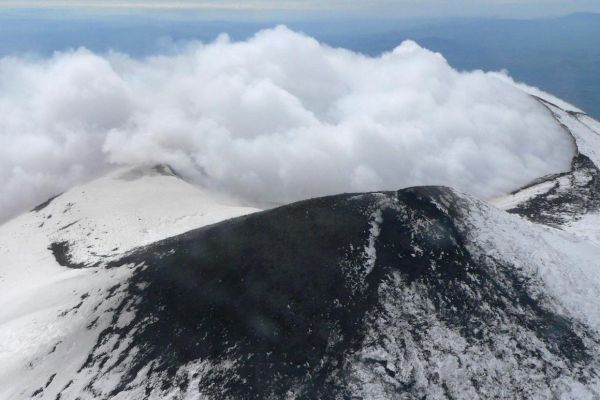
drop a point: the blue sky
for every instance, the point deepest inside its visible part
(372, 8)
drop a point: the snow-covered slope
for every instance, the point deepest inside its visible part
(139, 285)
(87, 226)
(564, 199)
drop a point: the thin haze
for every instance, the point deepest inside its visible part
(277, 118)
(387, 8)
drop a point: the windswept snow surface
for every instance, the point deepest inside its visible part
(43, 315)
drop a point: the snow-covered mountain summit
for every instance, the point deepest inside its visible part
(45, 254)
(139, 285)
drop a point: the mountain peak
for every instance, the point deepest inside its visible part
(140, 171)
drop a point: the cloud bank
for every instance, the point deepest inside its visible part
(277, 118)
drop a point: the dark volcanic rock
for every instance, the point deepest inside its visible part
(339, 297)
(570, 195)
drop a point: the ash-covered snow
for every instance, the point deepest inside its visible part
(462, 300)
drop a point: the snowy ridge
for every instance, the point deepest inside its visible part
(46, 306)
(564, 198)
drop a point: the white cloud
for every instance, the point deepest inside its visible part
(277, 118)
